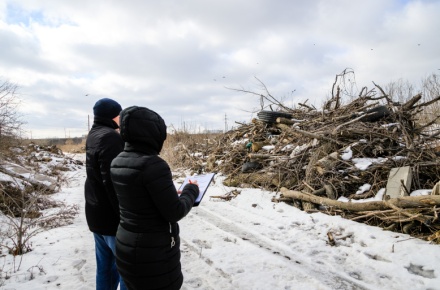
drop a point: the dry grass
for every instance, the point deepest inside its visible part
(73, 148)
(180, 148)
(70, 145)
(171, 151)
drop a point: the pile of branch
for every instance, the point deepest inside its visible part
(313, 155)
(306, 152)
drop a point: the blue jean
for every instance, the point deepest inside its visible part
(107, 276)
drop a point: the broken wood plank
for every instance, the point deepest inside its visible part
(399, 182)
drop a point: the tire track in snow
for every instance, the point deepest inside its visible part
(320, 272)
(191, 252)
(224, 261)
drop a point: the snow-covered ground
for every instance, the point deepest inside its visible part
(248, 242)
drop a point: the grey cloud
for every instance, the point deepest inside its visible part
(294, 47)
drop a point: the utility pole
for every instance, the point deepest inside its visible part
(88, 123)
(226, 123)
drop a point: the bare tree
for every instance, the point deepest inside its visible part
(431, 91)
(10, 118)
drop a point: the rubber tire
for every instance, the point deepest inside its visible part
(379, 112)
(271, 116)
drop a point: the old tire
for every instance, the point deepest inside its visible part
(271, 116)
(377, 113)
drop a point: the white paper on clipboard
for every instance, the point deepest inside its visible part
(203, 180)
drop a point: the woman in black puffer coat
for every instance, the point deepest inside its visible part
(147, 240)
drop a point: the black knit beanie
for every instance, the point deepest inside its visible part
(107, 108)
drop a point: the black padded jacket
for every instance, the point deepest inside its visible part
(147, 240)
(103, 144)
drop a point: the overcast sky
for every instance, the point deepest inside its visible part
(184, 59)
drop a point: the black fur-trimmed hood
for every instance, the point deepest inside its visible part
(142, 129)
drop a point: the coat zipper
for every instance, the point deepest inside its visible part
(173, 242)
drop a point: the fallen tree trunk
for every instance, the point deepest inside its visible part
(400, 202)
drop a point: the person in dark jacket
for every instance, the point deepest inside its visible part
(147, 240)
(103, 144)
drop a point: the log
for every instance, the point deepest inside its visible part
(265, 156)
(259, 156)
(283, 127)
(401, 202)
(324, 164)
(410, 104)
(286, 121)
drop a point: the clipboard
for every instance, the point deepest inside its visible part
(204, 180)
